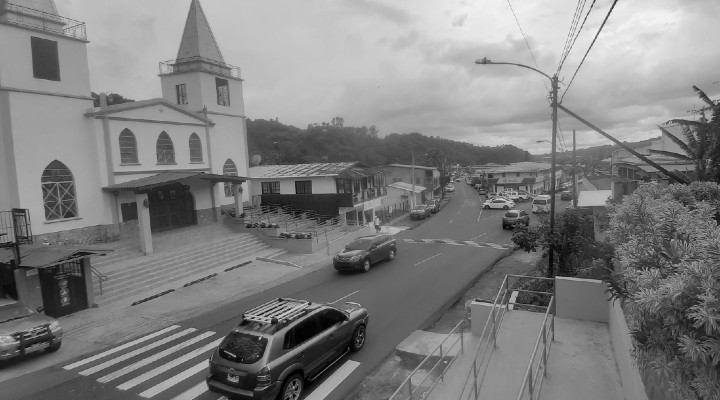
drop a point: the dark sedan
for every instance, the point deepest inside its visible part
(421, 211)
(364, 251)
(566, 195)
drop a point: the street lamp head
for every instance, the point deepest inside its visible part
(483, 60)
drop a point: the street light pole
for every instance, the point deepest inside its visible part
(412, 202)
(554, 106)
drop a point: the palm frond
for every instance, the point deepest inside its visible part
(711, 105)
(678, 142)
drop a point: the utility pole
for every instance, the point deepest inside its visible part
(574, 175)
(412, 202)
(554, 105)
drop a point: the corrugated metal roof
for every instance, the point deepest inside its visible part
(593, 198)
(410, 166)
(408, 187)
(39, 256)
(303, 170)
(524, 166)
(165, 178)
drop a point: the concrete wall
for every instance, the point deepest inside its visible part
(582, 299)
(632, 384)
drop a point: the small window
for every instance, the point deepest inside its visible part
(270, 187)
(128, 147)
(303, 187)
(302, 332)
(181, 92)
(46, 63)
(223, 92)
(165, 149)
(196, 149)
(329, 318)
(129, 211)
(517, 174)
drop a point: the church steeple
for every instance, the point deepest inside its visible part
(198, 40)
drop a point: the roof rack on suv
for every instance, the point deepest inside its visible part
(275, 311)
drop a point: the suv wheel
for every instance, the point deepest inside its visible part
(506, 208)
(391, 256)
(358, 339)
(292, 388)
(486, 206)
(53, 347)
(366, 265)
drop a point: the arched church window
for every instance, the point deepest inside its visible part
(58, 189)
(195, 148)
(229, 169)
(165, 149)
(128, 147)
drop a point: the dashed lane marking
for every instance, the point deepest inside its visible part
(344, 297)
(325, 388)
(462, 243)
(428, 259)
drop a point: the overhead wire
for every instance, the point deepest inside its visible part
(526, 43)
(571, 32)
(589, 48)
(576, 36)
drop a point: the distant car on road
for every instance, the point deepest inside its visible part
(457, 179)
(24, 330)
(421, 211)
(364, 251)
(514, 217)
(482, 191)
(499, 202)
(524, 195)
(450, 188)
(541, 204)
(433, 205)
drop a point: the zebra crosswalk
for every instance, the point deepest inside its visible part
(462, 243)
(169, 364)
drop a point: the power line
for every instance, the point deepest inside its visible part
(576, 36)
(527, 44)
(573, 24)
(588, 50)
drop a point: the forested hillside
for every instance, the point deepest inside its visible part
(276, 143)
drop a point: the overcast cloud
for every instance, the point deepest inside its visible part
(408, 65)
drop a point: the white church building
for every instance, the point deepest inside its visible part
(97, 174)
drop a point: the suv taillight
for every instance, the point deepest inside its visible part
(263, 377)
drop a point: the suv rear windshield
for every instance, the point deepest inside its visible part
(540, 201)
(512, 214)
(243, 348)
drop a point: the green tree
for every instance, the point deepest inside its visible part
(667, 249)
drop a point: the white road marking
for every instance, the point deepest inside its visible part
(450, 222)
(193, 392)
(153, 358)
(133, 353)
(344, 297)
(165, 367)
(324, 390)
(428, 259)
(177, 378)
(479, 215)
(119, 348)
(482, 234)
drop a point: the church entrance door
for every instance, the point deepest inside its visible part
(171, 207)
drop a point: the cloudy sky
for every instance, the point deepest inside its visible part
(408, 65)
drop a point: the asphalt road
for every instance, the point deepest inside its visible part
(437, 259)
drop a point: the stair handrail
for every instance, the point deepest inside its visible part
(101, 277)
(531, 377)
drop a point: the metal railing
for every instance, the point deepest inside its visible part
(501, 304)
(44, 21)
(198, 63)
(533, 380)
(101, 277)
(438, 366)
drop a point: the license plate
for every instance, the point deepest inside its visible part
(233, 378)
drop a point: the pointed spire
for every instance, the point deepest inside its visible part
(46, 6)
(198, 39)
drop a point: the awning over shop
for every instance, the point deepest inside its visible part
(41, 256)
(149, 182)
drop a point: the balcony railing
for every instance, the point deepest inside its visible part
(199, 64)
(369, 194)
(15, 227)
(41, 20)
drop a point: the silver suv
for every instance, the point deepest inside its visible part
(281, 344)
(23, 330)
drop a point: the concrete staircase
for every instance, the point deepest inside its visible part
(178, 256)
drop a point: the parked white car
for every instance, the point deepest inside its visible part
(499, 202)
(514, 196)
(450, 188)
